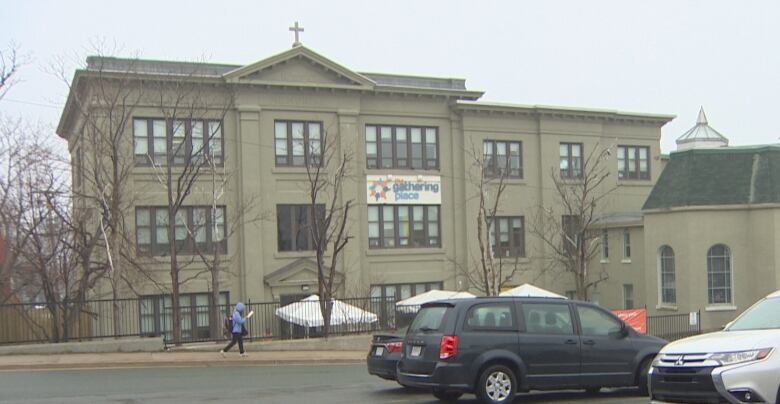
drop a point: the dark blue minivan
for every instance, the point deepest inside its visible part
(495, 347)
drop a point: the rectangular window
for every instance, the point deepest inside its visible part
(297, 143)
(153, 138)
(605, 244)
(626, 244)
(548, 319)
(393, 226)
(196, 229)
(628, 296)
(503, 158)
(392, 146)
(293, 223)
(372, 148)
(491, 316)
(403, 290)
(634, 162)
(156, 314)
(507, 237)
(571, 160)
(571, 226)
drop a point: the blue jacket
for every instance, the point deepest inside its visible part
(238, 321)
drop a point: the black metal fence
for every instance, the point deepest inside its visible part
(96, 319)
(144, 317)
(674, 326)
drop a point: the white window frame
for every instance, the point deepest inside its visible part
(725, 306)
(633, 300)
(626, 246)
(659, 256)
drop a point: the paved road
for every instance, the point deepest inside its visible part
(337, 384)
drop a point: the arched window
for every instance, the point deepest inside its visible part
(668, 285)
(719, 274)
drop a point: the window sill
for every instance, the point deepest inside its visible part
(625, 261)
(296, 254)
(294, 170)
(606, 261)
(725, 307)
(378, 252)
(635, 183)
(400, 171)
(512, 181)
(510, 260)
(666, 307)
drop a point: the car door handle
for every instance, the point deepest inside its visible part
(570, 342)
(589, 342)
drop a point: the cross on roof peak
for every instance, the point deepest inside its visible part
(297, 29)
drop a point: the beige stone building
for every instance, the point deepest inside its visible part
(711, 228)
(414, 136)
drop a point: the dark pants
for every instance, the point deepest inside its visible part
(236, 338)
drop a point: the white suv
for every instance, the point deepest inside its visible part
(737, 365)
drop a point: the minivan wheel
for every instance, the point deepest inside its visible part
(642, 376)
(447, 396)
(497, 384)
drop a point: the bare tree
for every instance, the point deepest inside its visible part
(19, 152)
(327, 169)
(566, 227)
(9, 66)
(214, 256)
(493, 269)
(103, 102)
(185, 104)
(44, 246)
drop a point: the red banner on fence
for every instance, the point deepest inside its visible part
(636, 318)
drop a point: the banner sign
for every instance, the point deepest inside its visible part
(636, 318)
(403, 189)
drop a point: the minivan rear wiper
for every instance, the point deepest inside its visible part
(427, 329)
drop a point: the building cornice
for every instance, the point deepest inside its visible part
(549, 111)
(710, 208)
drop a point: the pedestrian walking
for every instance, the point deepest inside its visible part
(238, 331)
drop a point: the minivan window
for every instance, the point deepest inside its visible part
(490, 316)
(595, 322)
(764, 315)
(545, 318)
(428, 319)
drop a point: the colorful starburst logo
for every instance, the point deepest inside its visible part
(378, 189)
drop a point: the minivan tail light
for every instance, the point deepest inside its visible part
(448, 346)
(395, 346)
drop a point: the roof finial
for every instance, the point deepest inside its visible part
(295, 28)
(702, 120)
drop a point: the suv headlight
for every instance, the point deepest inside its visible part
(732, 358)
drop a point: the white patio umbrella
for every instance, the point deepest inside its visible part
(307, 313)
(528, 290)
(412, 304)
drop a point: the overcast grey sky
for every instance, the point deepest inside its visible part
(661, 56)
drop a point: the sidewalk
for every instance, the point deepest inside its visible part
(176, 359)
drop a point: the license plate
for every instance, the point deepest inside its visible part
(379, 351)
(416, 350)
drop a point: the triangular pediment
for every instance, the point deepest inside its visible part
(299, 66)
(299, 272)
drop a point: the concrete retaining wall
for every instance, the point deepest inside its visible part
(102, 346)
(347, 343)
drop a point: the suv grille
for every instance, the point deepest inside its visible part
(685, 379)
